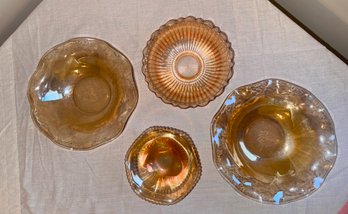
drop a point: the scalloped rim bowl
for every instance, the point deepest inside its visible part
(188, 62)
(162, 165)
(273, 141)
(82, 93)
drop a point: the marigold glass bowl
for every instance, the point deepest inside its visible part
(188, 62)
(82, 93)
(163, 165)
(273, 141)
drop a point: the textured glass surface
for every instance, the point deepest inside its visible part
(163, 165)
(273, 141)
(82, 93)
(188, 62)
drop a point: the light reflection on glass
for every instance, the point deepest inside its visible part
(317, 182)
(138, 180)
(269, 82)
(235, 179)
(67, 91)
(248, 154)
(51, 96)
(322, 139)
(230, 101)
(216, 137)
(248, 184)
(315, 166)
(277, 197)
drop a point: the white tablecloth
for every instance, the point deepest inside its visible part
(39, 177)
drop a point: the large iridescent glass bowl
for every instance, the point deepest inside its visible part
(82, 93)
(273, 141)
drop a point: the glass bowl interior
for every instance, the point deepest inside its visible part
(273, 141)
(188, 62)
(82, 93)
(162, 165)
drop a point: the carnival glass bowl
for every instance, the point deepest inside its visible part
(188, 62)
(163, 165)
(82, 93)
(273, 141)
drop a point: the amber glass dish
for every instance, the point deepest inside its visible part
(273, 141)
(163, 165)
(188, 62)
(82, 93)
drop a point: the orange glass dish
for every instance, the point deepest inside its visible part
(273, 141)
(82, 93)
(163, 165)
(188, 62)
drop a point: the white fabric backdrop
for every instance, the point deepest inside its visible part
(40, 177)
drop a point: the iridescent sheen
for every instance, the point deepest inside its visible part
(82, 93)
(273, 141)
(188, 62)
(162, 165)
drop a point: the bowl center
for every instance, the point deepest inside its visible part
(166, 157)
(264, 137)
(188, 66)
(92, 94)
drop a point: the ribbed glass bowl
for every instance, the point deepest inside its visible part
(188, 62)
(82, 93)
(273, 141)
(163, 165)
